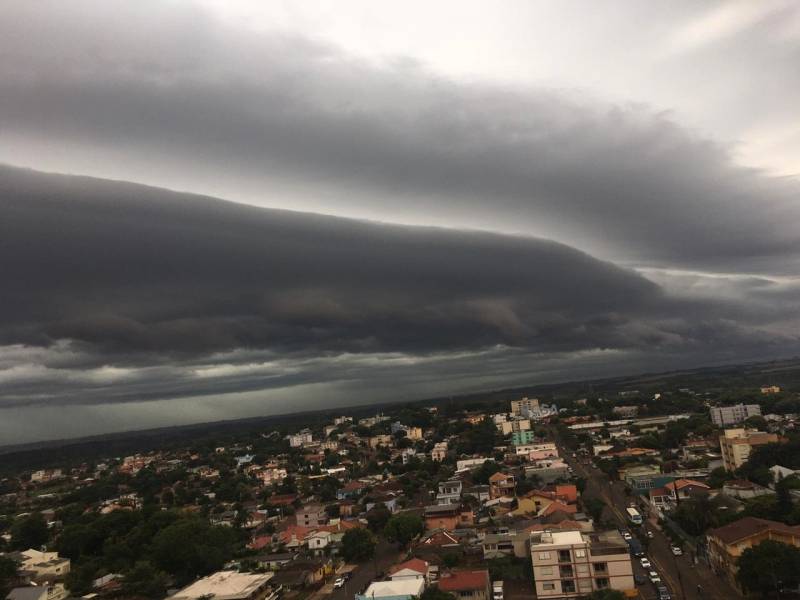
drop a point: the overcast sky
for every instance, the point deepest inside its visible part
(490, 194)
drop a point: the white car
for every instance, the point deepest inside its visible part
(338, 583)
(645, 563)
(676, 551)
(627, 536)
(654, 578)
(650, 534)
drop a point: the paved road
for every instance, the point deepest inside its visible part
(677, 573)
(386, 555)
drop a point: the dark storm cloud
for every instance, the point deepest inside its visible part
(206, 107)
(116, 292)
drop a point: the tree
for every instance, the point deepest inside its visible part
(403, 528)
(8, 570)
(607, 594)
(594, 506)
(358, 545)
(192, 547)
(29, 532)
(768, 567)
(434, 593)
(145, 580)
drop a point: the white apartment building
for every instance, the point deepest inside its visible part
(731, 415)
(301, 437)
(524, 407)
(570, 564)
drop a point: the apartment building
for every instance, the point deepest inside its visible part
(524, 407)
(726, 544)
(449, 492)
(570, 564)
(501, 484)
(301, 437)
(439, 452)
(311, 515)
(736, 445)
(523, 437)
(513, 425)
(722, 416)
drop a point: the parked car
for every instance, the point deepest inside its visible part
(663, 593)
(650, 534)
(338, 583)
(639, 579)
(627, 536)
(654, 578)
(645, 563)
(676, 551)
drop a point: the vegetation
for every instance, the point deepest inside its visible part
(769, 567)
(403, 528)
(358, 545)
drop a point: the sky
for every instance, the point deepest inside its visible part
(220, 209)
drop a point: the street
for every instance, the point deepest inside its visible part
(386, 555)
(677, 572)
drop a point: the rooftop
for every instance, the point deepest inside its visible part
(401, 587)
(224, 585)
(464, 580)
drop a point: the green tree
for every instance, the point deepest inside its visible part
(192, 547)
(403, 528)
(145, 580)
(8, 570)
(606, 594)
(358, 545)
(29, 532)
(768, 567)
(434, 593)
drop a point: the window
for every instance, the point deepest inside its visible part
(583, 569)
(565, 571)
(568, 586)
(601, 583)
(544, 555)
(548, 586)
(564, 556)
(600, 567)
(547, 570)
(580, 553)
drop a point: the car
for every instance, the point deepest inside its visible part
(627, 536)
(654, 578)
(676, 550)
(650, 534)
(338, 583)
(663, 593)
(639, 579)
(645, 563)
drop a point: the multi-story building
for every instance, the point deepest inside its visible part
(449, 492)
(301, 437)
(736, 445)
(380, 440)
(311, 515)
(44, 566)
(771, 389)
(524, 407)
(439, 452)
(570, 564)
(726, 544)
(501, 484)
(722, 416)
(523, 437)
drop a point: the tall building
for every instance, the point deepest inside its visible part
(523, 437)
(731, 415)
(524, 407)
(571, 564)
(736, 445)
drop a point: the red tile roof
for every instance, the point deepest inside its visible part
(750, 526)
(415, 564)
(459, 581)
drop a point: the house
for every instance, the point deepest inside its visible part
(402, 589)
(303, 572)
(743, 489)
(318, 541)
(376, 441)
(667, 497)
(501, 484)
(440, 539)
(273, 562)
(497, 545)
(449, 492)
(44, 565)
(736, 445)
(55, 591)
(352, 489)
(448, 516)
(470, 463)
(726, 544)
(548, 470)
(311, 515)
(473, 585)
(415, 568)
(229, 585)
(571, 564)
(439, 452)
(481, 492)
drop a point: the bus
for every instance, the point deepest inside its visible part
(634, 516)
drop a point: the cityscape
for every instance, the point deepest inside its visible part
(361, 300)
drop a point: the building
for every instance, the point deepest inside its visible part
(229, 585)
(470, 463)
(771, 389)
(416, 568)
(39, 592)
(509, 427)
(498, 545)
(447, 516)
(540, 447)
(726, 544)
(736, 445)
(383, 439)
(301, 437)
(501, 484)
(401, 589)
(473, 585)
(623, 410)
(44, 565)
(449, 492)
(311, 515)
(570, 564)
(523, 437)
(525, 407)
(723, 416)
(439, 452)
